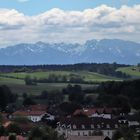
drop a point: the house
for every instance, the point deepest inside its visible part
(35, 113)
(130, 120)
(87, 127)
(34, 116)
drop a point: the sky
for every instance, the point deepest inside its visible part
(29, 21)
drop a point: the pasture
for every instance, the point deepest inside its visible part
(134, 71)
(17, 84)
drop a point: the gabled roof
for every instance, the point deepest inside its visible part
(38, 107)
(29, 113)
(91, 111)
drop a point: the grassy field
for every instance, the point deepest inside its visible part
(133, 70)
(87, 76)
(18, 85)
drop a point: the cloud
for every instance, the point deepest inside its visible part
(57, 25)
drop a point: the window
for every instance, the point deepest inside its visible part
(98, 126)
(84, 134)
(78, 133)
(92, 126)
(108, 133)
(90, 133)
(116, 125)
(74, 126)
(108, 126)
(83, 126)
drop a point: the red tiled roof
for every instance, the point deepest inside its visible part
(6, 138)
(28, 113)
(91, 111)
(38, 107)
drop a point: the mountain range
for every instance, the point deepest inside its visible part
(99, 51)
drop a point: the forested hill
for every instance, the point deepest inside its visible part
(104, 68)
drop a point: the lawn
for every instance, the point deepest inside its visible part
(134, 71)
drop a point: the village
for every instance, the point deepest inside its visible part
(88, 123)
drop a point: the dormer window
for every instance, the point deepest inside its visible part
(63, 126)
(98, 126)
(83, 126)
(92, 126)
(102, 124)
(108, 126)
(116, 125)
(69, 126)
(74, 126)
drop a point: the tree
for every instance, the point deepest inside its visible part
(55, 97)
(28, 80)
(36, 132)
(44, 94)
(44, 133)
(88, 100)
(52, 78)
(124, 132)
(12, 137)
(76, 95)
(1, 118)
(13, 128)
(24, 95)
(2, 130)
(69, 108)
(6, 97)
(139, 137)
(28, 101)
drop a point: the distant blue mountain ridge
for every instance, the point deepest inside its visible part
(99, 51)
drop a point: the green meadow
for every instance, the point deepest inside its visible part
(17, 84)
(134, 71)
(87, 76)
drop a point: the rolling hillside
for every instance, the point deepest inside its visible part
(87, 76)
(134, 71)
(17, 84)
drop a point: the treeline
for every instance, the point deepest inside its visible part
(6, 97)
(120, 94)
(104, 68)
(74, 93)
(37, 132)
(53, 78)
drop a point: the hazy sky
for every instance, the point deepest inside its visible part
(68, 20)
